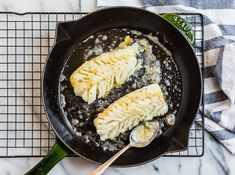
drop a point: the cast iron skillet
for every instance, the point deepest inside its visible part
(175, 138)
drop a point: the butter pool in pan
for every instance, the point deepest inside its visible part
(154, 64)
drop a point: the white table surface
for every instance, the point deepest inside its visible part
(216, 160)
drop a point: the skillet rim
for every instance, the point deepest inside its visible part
(45, 106)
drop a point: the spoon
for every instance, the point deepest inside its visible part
(140, 136)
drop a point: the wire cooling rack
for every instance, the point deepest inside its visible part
(25, 41)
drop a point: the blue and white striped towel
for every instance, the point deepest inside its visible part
(219, 73)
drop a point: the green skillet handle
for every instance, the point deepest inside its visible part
(182, 25)
(58, 152)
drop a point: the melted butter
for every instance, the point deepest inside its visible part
(156, 41)
(145, 132)
(156, 66)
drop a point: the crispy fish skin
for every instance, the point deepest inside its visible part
(127, 112)
(97, 77)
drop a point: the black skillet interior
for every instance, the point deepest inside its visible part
(69, 33)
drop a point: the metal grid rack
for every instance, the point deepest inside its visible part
(25, 41)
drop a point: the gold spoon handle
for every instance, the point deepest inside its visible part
(105, 165)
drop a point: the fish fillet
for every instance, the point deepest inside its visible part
(127, 112)
(96, 78)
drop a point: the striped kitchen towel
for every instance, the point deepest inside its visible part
(219, 47)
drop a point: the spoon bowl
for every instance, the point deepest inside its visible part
(143, 134)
